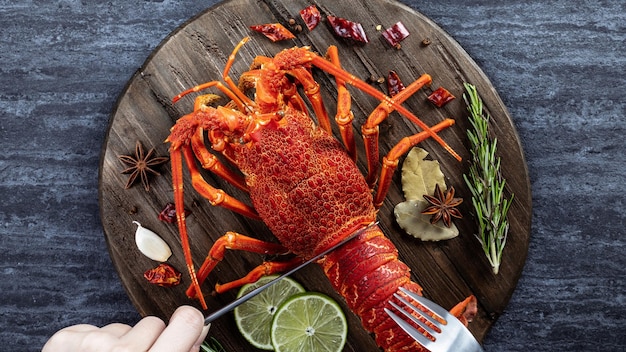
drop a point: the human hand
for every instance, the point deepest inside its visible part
(184, 333)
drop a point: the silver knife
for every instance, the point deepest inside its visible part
(227, 308)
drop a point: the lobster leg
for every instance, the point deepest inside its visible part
(329, 67)
(266, 268)
(210, 162)
(177, 182)
(390, 161)
(217, 84)
(312, 91)
(235, 241)
(229, 81)
(216, 197)
(298, 103)
(344, 116)
(234, 93)
(370, 128)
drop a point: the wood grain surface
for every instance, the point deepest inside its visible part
(197, 52)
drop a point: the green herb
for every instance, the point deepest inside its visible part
(486, 182)
(211, 346)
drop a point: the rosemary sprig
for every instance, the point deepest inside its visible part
(486, 183)
(212, 345)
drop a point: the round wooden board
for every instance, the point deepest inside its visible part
(197, 52)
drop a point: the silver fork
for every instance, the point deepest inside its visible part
(453, 335)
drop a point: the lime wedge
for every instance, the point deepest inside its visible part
(254, 318)
(309, 322)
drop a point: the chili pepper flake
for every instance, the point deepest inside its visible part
(274, 31)
(395, 34)
(163, 275)
(168, 214)
(311, 16)
(440, 97)
(394, 85)
(347, 29)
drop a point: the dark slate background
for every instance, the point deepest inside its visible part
(559, 66)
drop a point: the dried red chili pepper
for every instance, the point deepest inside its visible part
(168, 214)
(395, 34)
(347, 29)
(440, 97)
(163, 275)
(394, 85)
(274, 31)
(311, 16)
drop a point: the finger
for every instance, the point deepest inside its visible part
(196, 345)
(78, 338)
(80, 328)
(144, 333)
(183, 331)
(116, 329)
(67, 338)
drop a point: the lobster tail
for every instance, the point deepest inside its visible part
(367, 272)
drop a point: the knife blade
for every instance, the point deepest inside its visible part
(227, 308)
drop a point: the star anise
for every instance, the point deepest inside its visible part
(443, 206)
(141, 166)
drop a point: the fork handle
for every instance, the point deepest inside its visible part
(469, 346)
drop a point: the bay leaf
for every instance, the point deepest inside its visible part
(419, 176)
(409, 217)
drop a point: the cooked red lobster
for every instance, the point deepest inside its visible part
(303, 183)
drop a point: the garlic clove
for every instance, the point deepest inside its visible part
(151, 245)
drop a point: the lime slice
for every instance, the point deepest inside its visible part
(309, 322)
(254, 318)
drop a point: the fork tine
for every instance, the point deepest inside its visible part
(426, 303)
(420, 313)
(414, 319)
(452, 334)
(409, 329)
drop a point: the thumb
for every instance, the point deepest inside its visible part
(182, 332)
(196, 345)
